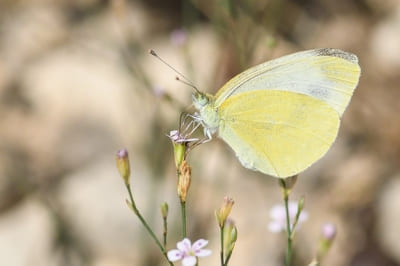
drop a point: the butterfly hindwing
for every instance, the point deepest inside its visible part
(279, 133)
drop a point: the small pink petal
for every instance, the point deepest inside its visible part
(203, 252)
(174, 255)
(184, 245)
(174, 135)
(178, 37)
(328, 231)
(199, 244)
(293, 207)
(189, 261)
(277, 212)
(275, 227)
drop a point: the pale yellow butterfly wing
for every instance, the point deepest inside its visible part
(279, 133)
(330, 75)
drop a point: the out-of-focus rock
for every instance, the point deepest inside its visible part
(385, 43)
(28, 31)
(388, 217)
(92, 201)
(26, 235)
(356, 181)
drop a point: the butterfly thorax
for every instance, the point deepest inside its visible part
(207, 111)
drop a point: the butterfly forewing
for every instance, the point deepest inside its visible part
(330, 75)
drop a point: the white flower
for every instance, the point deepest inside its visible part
(177, 137)
(188, 252)
(278, 216)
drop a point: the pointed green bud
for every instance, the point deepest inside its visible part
(164, 210)
(230, 236)
(179, 147)
(179, 153)
(182, 145)
(300, 205)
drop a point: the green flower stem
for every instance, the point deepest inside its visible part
(183, 212)
(165, 226)
(222, 246)
(296, 220)
(288, 229)
(143, 221)
(228, 258)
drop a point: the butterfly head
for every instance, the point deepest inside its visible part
(200, 100)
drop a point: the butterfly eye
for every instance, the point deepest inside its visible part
(200, 99)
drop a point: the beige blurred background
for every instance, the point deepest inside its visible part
(77, 83)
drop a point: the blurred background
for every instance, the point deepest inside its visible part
(77, 84)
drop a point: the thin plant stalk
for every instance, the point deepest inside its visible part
(222, 245)
(288, 256)
(183, 212)
(228, 258)
(144, 223)
(165, 230)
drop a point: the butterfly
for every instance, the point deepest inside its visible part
(281, 116)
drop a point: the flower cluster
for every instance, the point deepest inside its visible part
(188, 253)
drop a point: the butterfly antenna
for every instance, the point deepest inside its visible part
(187, 83)
(185, 80)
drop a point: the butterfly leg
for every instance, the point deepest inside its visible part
(189, 123)
(190, 127)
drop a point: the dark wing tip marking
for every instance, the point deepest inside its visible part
(337, 53)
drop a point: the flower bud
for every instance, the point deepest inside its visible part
(230, 237)
(184, 179)
(223, 213)
(291, 181)
(179, 153)
(328, 233)
(300, 205)
(164, 210)
(182, 144)
(287, 185)
(122, 161)
(179, 147)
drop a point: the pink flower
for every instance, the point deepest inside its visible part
(178, 37)
(328, 231)
(278, 216)
(177, 137)
(188, 252)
